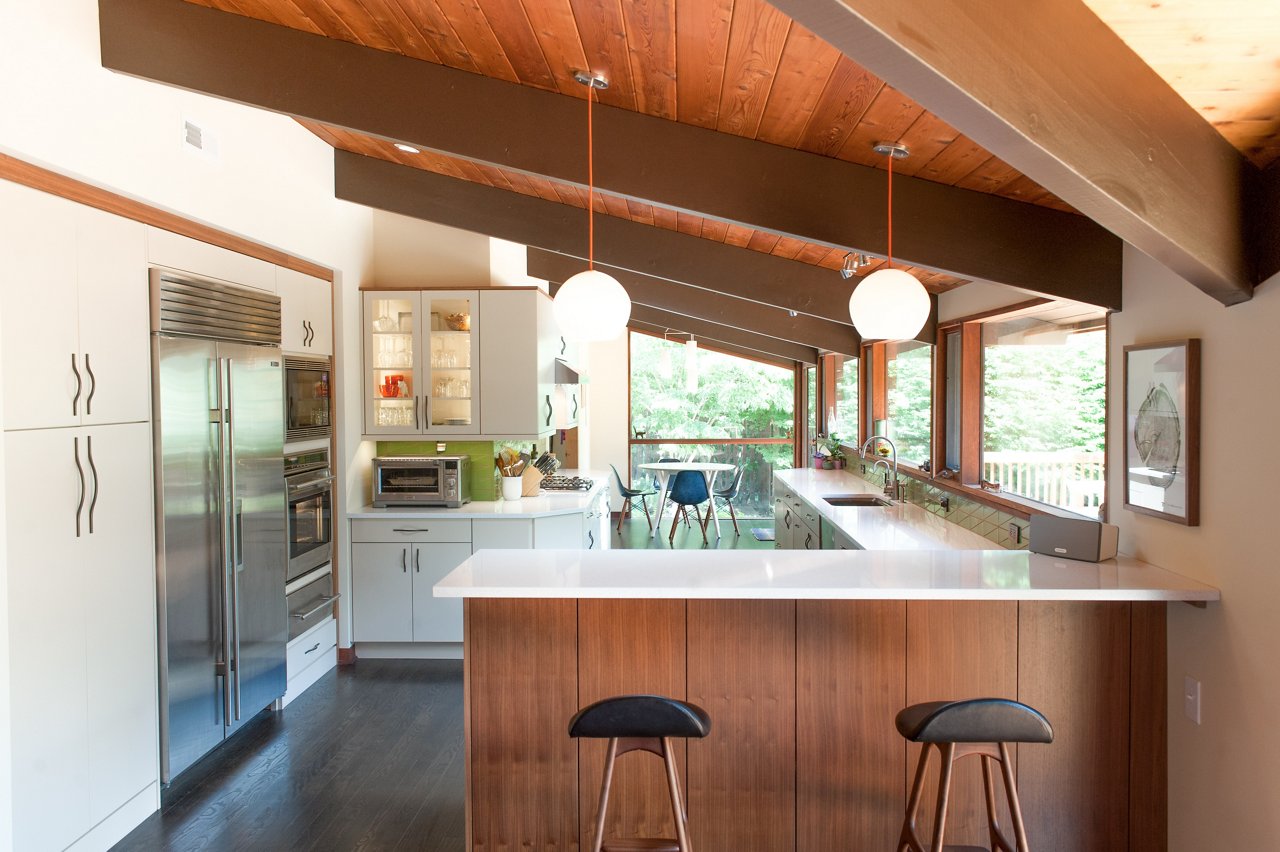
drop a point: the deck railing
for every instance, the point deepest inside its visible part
(1070, 479)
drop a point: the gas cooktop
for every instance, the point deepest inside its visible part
(567, 483)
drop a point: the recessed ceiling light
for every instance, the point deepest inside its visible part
(408, 149)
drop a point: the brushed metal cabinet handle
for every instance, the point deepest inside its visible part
(75, 401)
(75, 448)
(312, 648)
(550, 409)
(411, 529)
(93, 468)
(417, 560)
(93, 388)
(404, 560)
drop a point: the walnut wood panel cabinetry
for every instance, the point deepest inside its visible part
(803, 753)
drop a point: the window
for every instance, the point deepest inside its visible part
(908, 398)
(843, 418)
(811, 402)
(954, 383)
(742, 413)
(1044, 408)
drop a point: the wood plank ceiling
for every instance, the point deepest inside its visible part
(1221, 56)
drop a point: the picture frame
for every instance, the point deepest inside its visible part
(1162, 430)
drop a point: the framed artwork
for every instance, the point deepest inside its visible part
(1162, 430)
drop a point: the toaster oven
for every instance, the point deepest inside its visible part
(421, 481)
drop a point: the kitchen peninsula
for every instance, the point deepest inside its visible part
(802, 660)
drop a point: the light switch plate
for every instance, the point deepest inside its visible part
(1191, 698)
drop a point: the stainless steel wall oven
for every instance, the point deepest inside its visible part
(309, 516)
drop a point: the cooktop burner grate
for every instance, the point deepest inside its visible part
(567, 483)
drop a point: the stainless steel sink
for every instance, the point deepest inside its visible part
(856, 500)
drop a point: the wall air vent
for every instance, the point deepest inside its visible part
(198, 139)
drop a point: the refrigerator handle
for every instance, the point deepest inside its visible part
(235, 556)
(75, 448)
(227, 599)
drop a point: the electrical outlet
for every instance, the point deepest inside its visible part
(440, 446)
(1015, 531)
(1191, 698)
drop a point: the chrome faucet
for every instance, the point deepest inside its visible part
(890, 485)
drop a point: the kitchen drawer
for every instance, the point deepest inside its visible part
(425, 529)
(311, 646)
(809, 514)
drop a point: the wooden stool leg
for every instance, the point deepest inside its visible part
(1015, 808)
(644, 501)
(948, 751)
(612, 756)
(677, 804)
(909, 840)
(734, 516)
(998, 841)
(626, 504)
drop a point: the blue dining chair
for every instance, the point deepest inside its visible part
(728, 494)
(688, 489)
(628, 494)
(658, 487)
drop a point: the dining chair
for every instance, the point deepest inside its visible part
(628, 494)
(727, 494)
(688, 489)
(657, 480)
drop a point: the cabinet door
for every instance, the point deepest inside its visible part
(451, 331)
(165, 248)
(47, 636)
(558, 532)
(806, 537)
(781, 524)
(291, 287)
(394, 378)
(114, 317)
(120, 616)
(436, 619)
(510, 400)
(38, 317)
(320, 315)
(382, 592)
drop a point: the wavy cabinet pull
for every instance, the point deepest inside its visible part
(75, 448)
(314, 647)
(75, 401)
(592, 539)
(93, 469)
(88, 400)
(549, 409)
(575, 406)
(404, 560)
(417, 560)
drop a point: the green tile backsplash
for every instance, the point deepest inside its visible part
(484, 474)
(992, 524)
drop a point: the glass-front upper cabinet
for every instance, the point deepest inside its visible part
(420, 351)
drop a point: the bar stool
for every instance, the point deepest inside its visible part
(641, 723)
(981, 726)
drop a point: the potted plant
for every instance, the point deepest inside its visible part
(835, 452)
(820, 460)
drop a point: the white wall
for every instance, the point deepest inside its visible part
(410, 253)
(606, 407)
(1224, 775)
(977, 297)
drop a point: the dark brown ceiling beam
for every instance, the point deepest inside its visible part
(1265, 220)
(1052, 91)
(706, 305)
(655, 252)
(762, 186)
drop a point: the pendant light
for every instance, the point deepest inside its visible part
(664, 358)
(591, 305)
(890, 304)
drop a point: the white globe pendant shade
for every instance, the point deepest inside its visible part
(592, 306)
(889, 304)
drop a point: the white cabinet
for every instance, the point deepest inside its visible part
(74, 309)
(82, 627)
(306, 313)
(558, 532)
(391, 581)
(595, 524)
(422, 362)
(517, 360)
(165, 248)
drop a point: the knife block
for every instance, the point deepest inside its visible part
(531, 482)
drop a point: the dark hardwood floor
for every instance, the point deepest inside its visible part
(370, 758)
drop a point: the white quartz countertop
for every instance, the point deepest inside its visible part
(545, 504)
(902, 526)
(813, 575)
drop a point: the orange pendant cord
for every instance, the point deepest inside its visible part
(889, 261)
(591, 183)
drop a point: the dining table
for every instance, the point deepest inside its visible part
(664, 471)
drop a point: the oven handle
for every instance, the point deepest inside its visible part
(295, 487)
(303, 616)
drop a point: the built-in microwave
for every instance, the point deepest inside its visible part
(307, 396)
(422, 481)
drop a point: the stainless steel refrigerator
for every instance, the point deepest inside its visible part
(219, 433)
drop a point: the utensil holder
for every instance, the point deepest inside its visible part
(531, 481)
(512, 487)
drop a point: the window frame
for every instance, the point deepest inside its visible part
(967, 482)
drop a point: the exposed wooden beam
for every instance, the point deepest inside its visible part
(1265, 219)
(762, 186)
(1052, 91)
(705, 304)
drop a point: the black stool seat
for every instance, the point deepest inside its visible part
(640, 716)
(978, 720)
